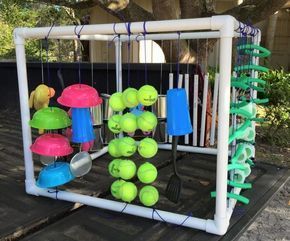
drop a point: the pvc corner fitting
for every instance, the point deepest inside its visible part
(18, 34)
(217, 226)
(224, 23)
(31, 188)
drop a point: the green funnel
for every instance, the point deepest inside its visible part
(50, 118)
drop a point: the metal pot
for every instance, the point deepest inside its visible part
(159, 134)
(107, 110)
(98, 142)
(107, 135)
(97, 116)
(159, 107)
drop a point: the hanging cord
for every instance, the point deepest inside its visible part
(128, 27)
(108, 43)
(154, 211)
(54, 191)
(145, 64)
(47, 55)
(188, 58)
(118, 56)
(206, 57)
(178, 53)
(217, 57)
(161, 71)
(170, 56)
(197, 60)
(92, 73)
(41, 62)
(78, 34)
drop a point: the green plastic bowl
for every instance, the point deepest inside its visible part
(50, 118)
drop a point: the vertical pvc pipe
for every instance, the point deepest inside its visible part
(214, 109)
(180, 81)
(170, 87)
(24, 109)
(203, 112)
(195, 110)
(186, 86)
(223, 129)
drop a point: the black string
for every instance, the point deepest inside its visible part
(158, 214)
(55, 191)
(41, 62)
(78, 34)
(128, 27)
(124, 208)
(161, 71)
(108, 45)
(145, 66)
(47, 55)
(178, 53)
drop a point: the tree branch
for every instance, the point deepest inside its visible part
(254, 11)
(122, 9)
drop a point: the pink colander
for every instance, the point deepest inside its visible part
(80, 96)
(51, 145)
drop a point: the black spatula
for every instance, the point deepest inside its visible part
(175, 183)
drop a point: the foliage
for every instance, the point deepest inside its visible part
(277, 111)
(15, 13)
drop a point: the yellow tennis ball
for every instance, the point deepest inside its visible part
(116, 102)
(128, 123)
(129, 97)
(147, 95)
(115, 187)
(113, 167)
(128, 191)
(113, 148)
(114, 124)
(149, 195)
(147, 121)
(148, 147)
(127, 146)
(127, 169)
(147, 173)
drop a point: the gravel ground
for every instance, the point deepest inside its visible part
(273, 223)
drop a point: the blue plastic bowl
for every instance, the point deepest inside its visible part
(55, 174)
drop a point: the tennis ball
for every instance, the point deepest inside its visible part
(147, 121)
(116, 102)
(114, 124)
(148, 195)
(147, 147)
(128, 123)
(147, 173)
(113, 167)
(147, 95)
(127, 169)
(129, 97)
(127, 146)
(115, 187)
(128, 191)
(113, 148)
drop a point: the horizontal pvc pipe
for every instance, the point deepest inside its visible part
(209, 23)
(138, 37)
(210, 151)
(140, 211)
(99, 153)
(119, 28)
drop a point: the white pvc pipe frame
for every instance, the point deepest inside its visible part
(222, 27)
